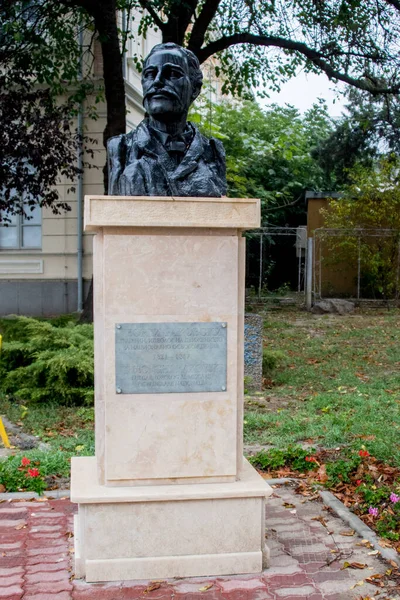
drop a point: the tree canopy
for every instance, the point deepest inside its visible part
(268, 152)
(257, 44)
(368, 130)
(368, 214)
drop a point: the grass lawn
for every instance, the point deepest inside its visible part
(339, 384)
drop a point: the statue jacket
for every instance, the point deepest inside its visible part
(139, 165)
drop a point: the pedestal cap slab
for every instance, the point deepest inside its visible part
(158, 211)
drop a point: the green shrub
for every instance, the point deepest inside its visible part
(294, 457)
(48, 363)
(271, 360)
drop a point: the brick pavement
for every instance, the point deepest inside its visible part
(36, 553)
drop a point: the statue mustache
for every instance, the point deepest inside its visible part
(161, 91)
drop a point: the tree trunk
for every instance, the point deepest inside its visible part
(105, 16)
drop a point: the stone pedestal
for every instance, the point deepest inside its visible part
(168, 493)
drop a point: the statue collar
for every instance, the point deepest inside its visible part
(151, 146)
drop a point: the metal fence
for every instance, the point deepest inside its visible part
(361, 264)
(276, 260)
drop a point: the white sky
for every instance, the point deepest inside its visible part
(304, 90)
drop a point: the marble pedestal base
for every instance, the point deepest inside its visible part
(165, 531)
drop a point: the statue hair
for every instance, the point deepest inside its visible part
(195, 74)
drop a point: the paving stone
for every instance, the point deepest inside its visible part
(9, 580)
(286, 571)
(236, 595)
(237, 584)
(8, 572)
(48, 567)
(13, 513)
(61, 541)
(295, 592)
(50, 514)
(47, 587)
(45, 558)
(11, 523)
(11, 561)
(50, 596)
(209, 595)
(10, 546)
(60, 575)
(13, 590)
(43, 550)
(192, 588)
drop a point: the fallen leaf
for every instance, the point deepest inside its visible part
(353, 565)
(321, 520)
(361, 582)
(206, 587)
(394, 564)
(288, 505)
(376, 576)
(348, 533)
(385, 544)
(153, 585)
(2, 488)
(373, 553)
(21, 527)
(321, 475)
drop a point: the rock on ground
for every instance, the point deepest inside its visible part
(333, 306)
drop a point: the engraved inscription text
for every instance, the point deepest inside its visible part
(153, 358)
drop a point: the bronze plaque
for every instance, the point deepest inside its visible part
(165, 358)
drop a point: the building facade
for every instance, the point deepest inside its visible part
(46, 261)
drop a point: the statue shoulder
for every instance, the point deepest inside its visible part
(118, 143)
(218, 148)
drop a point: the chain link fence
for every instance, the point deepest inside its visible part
(359, 264)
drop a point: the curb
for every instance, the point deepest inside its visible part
(50, 494)
(359, 526)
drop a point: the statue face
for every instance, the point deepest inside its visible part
(167, 89)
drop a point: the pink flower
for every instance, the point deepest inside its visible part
(373, 511)
(25, 461)
(33, 472)
(394, 498)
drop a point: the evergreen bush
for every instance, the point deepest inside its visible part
(48, 363)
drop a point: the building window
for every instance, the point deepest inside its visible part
(22, 233)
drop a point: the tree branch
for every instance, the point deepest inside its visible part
(317, 58)
(201, 24)
(179, 19)
(394, 3)
(157, 20)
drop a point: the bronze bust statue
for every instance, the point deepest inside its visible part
(166, 155)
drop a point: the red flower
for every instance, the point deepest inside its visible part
(25, 461)
(33, 472)
(310, 459)
(359, 481)
(363, 453)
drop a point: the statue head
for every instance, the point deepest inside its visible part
(171, 81)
